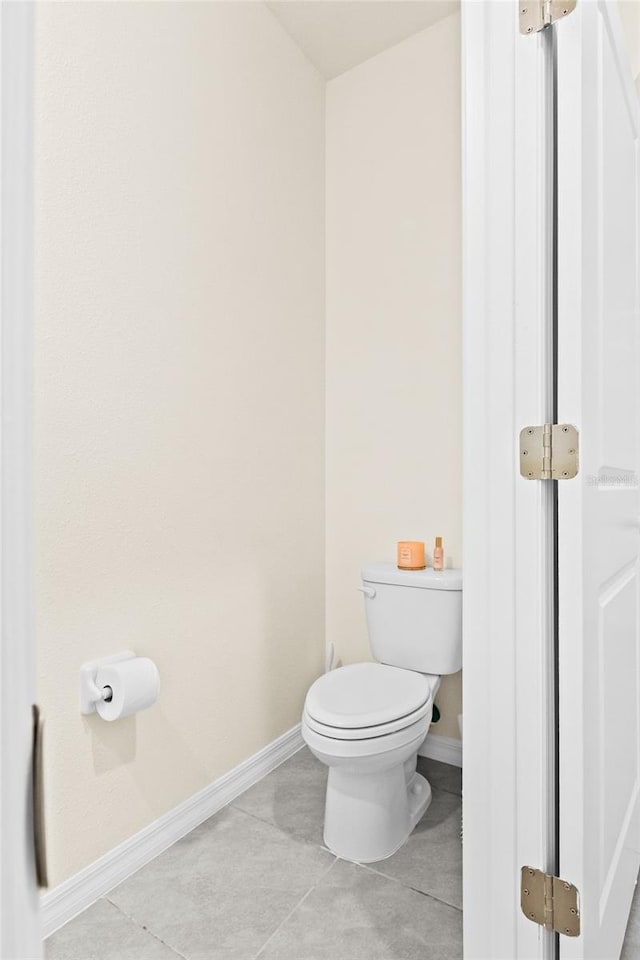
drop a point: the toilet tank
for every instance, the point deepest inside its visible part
(414, 617)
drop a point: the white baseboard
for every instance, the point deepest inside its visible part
(445, 749)
(80, 891)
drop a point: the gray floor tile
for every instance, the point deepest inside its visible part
(431, 859)
(240, 880)
(631, 947)
(103, 933)
(444, 776)
(219, 893)
(356, 914)
(292, 797)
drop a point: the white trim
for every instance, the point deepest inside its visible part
(19, 901)
(78, 892)
(445, 749)
(508, 793)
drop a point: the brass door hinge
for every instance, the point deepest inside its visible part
(535, 15)
(550, 902)
(549, 452)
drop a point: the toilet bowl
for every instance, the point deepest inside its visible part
(366, 723)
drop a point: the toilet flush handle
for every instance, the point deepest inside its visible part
(368, 592)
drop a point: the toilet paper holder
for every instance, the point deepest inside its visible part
(90, 692)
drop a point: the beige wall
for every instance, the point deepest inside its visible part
(179, 396)
(630, 15)
(393, 321)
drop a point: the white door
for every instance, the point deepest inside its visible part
(19, 907)
(599, 512)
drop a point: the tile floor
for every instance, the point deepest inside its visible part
(631, 948)
(254, 881)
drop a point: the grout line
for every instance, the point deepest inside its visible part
(452, 793)
(141, 926)
(432, 896)
(298, 904)
(285, 833)
(309, 844)
(378, 873)
(407, 886)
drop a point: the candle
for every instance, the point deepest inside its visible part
(411, 555)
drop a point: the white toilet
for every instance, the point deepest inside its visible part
(367, 721)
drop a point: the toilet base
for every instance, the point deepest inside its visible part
(369, 815)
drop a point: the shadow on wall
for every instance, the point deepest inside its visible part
(112, 744)
(115, 745)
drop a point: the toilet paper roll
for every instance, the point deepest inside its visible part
(135, 685)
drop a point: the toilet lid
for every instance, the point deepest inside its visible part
(367, 694)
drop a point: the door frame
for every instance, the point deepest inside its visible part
(19, 901)
(509, 745)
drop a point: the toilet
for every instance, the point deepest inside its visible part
(368, 721)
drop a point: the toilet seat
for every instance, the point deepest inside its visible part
(368, 700)
(368, 733)
(360, 749)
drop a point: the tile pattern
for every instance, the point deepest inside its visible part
(432, 861)
(291, 798)
(219, 893)
(103, 933)
(356, 913)
(255, 883)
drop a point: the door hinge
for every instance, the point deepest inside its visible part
(550, 902)
(535, 15)
(549, 452)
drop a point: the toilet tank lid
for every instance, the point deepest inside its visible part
(428, 579)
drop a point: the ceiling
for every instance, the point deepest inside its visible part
(336, 35)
